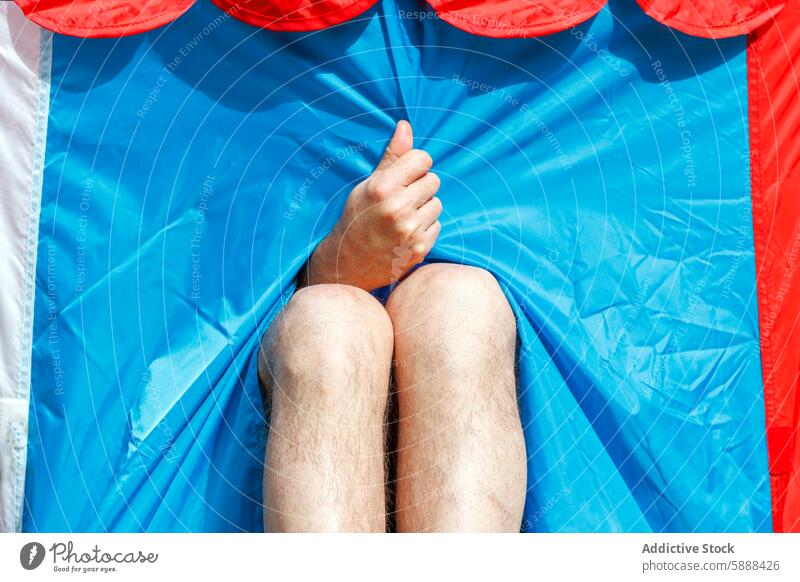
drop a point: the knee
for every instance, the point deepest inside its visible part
(326, 330)
(460, 299)
(456, 321)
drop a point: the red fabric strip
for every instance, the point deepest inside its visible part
(713, 18)
(498, 18)
(774, 97)
(516, 18)
(291, 15)
(103, 18)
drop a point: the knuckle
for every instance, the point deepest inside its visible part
(423, 158)
(436, 182)
(382, 192)
(379, 190)
(404, 229)
(419, 249)
(393, 212)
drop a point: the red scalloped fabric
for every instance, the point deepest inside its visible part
(515, 18)
(497, 18)
(294, 15)
(102, 18)
(713, 18)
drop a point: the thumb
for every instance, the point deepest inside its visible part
(402, 141)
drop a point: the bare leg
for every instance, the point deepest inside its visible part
(326, 363)
(461, 453)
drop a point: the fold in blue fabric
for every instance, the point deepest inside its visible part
(601, 174)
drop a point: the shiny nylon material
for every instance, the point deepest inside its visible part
(713, 18)
(103, 18)
(291, 15)
(774, 87)
(496, 18)
(516, 18)
(607, 191)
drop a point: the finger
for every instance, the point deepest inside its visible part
(423, 245)
(402, 141)
(423, 189)
(428, 214)
(409, 168)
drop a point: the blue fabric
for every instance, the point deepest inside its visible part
(601, 174)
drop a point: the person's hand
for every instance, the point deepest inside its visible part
(389, 223)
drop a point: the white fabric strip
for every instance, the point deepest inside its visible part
(25, 88)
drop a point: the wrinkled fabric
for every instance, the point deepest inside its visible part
(498, 18)
(713, 18)
(103, 18)
(24, 84)
(291, 15)
(515, 18)
(773, 58)
(601, 174)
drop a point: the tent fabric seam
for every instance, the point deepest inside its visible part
(29, 290)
